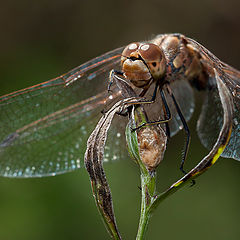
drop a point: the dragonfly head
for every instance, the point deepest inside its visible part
(143, 62)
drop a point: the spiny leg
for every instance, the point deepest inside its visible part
(185, 126)
(167, 113)
(128, 91)
(118, 77)
(112, 75)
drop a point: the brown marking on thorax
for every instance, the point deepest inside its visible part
(183, 60)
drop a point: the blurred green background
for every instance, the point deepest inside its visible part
(43, 39)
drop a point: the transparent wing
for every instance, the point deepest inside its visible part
(231, 78)
(44, 128)
(211, 118)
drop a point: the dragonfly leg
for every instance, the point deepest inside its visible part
(185, 126)
(124, 113)
(127, 91)
(112, 75)
(144, 101)
(167, 112)
(122, 84)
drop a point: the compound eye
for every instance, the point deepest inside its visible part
(150, 52)
(129, 49)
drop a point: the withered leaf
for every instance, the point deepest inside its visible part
(94, 165)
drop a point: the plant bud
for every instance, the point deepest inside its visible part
(152, 142)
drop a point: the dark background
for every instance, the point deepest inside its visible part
(42, 39)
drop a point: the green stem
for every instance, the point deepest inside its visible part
(144, 216)
(148, 184)
(151, 200)
(148, 180)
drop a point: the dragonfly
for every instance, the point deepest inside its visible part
(44, 128)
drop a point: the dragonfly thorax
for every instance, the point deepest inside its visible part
(142, 63)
